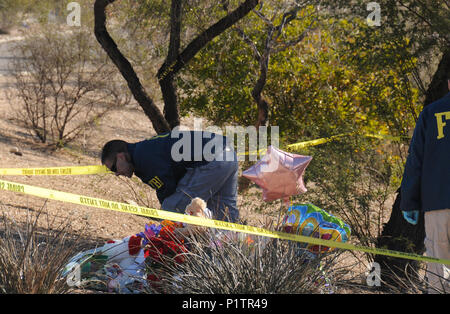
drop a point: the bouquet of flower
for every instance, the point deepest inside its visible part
(132, 264)
(163, 248)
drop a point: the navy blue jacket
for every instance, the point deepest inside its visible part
(426, 179)
(155, 164)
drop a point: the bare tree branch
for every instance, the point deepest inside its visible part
(262, 16)
(151, 110)
(249, 41)
(270, 46)
(424, 19)
(168, 69)
(296, 41)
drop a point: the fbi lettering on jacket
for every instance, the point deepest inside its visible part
(156, 183)
(440, 118)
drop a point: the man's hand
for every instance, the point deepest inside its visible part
(411, 216)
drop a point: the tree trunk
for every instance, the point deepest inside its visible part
(168, 88)
(398, 234)
(438, 86)
(263, 106)
(151, 110)
(172, 68)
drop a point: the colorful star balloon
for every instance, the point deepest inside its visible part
(279, 174)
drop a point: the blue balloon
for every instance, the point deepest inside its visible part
(312, 221)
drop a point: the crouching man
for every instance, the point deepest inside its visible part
(181, 165)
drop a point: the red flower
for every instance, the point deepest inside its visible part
(167, 233)
(134, 245)
(155, 282)
(153, 277)
(155, 249)
(160, 247)
(180, 259)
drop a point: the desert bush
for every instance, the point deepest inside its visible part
(63, 84)
(248, 265)
(31, 259)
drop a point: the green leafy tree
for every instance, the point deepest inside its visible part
(317, 88)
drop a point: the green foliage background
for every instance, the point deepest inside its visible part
(343, 78)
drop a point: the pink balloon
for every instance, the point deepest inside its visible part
(279, 174)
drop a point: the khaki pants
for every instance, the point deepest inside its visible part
(437, 244)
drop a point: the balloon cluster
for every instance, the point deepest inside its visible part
(280, 175)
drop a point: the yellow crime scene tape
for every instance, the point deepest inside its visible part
(78, 170)
(86, 170)
(296, 146)
(160, 214)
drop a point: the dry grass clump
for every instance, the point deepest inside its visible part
(31, 259)
(239, 264)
